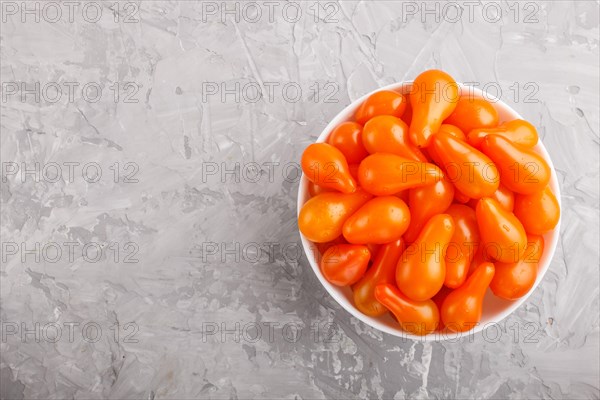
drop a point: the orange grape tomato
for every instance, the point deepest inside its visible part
(471, 171)
(422, 269)
(514, 280)
(462, 246)
(380, 220)
(345, 264)
(502, 234)
(451, 130)
(433, 97)
(385, 174)
(326, 166)
(388, 134)
(425, 202)
(517, 131)
(383, 270)
(347, 138)
(473, 112)
(322, 217)
(461, 310)
(415, 317)
(538, 212)
(522, 170)
(384, 102)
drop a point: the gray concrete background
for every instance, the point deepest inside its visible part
(177, 272)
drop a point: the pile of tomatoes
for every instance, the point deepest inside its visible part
(425, 200)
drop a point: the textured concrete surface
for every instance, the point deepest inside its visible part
(178, 272)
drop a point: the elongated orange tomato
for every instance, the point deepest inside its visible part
(522, 170)
(473, 113)
(322, 217)
(388, 134)
(462, 308)
(345, 264)
(326, 166)
(422, 268)
(383, 270)
(415, 317)
(471, 171)
(384, 174)
(538, 212)
(433, 97)
(514, 280)
(384, 102)
(425, 202)
(517, 131)
(451, 130)
(380, 220)
(462, 246)
(347, 138)
(502, 234)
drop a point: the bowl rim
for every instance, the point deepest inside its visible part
(544, 264)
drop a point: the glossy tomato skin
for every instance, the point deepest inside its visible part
(415, 317)
(384, 102)
(322, 217)
(472, 113)
(326, 166)
(502, 234)
(433, 97)
(422, 269)
(347, 138)
(380, 220)
(345, 264)
(389, 134)
(383, 270)
(450, 130)
(462, 308)
(522, 170)
(515, 280)
(384, 174)
(425, 202)
(538, 212)
(471, 171)
(518, 131)
(462, 246)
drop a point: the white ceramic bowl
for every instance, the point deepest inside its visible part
(494, 309)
